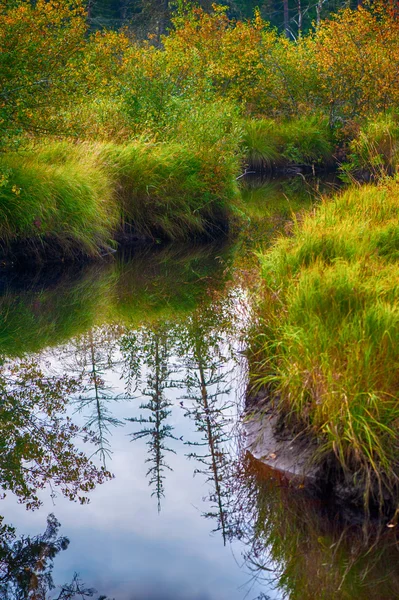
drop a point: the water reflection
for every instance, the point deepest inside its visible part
(272, 204)
(27, 562)
(37, 440)
(136, 366)
(209, 360)
(155, 348)
(307, 548)
(90, 357)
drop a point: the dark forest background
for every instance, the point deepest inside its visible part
(153, 16)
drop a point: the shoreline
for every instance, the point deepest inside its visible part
(325, 342)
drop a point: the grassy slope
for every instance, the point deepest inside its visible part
(57, 192)
(331, 328)
(74, 198)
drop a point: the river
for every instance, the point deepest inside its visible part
(123, 386)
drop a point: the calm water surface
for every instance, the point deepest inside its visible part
(123, 389)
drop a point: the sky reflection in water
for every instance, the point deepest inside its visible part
(143, 534)
(154, 345)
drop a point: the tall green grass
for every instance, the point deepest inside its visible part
(170, 191)
(330, 333)
(375, 147)
(306, 140)
(57, 194)
(76, 197)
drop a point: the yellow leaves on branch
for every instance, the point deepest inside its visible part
(38, 42)
(357, 57)
(347, 67)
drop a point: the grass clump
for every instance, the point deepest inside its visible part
(331, 331)
(375, 147)
(170, 192)
(306, 140)
(57, 196)
(72, 199)
(260, 144)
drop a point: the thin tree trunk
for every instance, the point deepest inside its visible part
(286, 20)
(299, 19)
(319, 6)
(123, 11)
(89, 9)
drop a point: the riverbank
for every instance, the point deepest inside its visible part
(328, 324)
(80, 199)
(155, 148)
(73, 200)
(325, 346)
(65, 200)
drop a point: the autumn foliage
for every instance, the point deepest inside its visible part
(50, 66)
(40, 58)
(357, 58)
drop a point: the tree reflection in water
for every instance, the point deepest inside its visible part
(206, 356)
(38, 449)
(37, 439)
(290, 540)
(194, 354)
(184, 361)
(90, 357)
(26, 566)
(154, 350)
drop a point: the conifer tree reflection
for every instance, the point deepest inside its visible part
(156, 343)
(206, 354)
(93, 354)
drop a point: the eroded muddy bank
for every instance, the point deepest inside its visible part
(294, 454)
